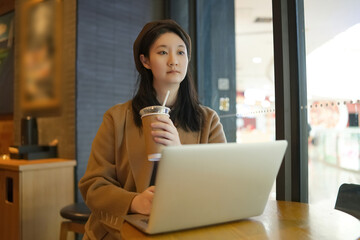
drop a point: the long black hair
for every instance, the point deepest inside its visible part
(186, 112)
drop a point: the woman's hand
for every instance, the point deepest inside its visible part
(164, 132)
(142, 203)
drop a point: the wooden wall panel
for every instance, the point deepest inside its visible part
(62, 125)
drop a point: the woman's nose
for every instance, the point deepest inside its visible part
(173, 60)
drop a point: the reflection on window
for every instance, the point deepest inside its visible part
(333, 74)
(333, 68)
(255, 102)
(256, 116)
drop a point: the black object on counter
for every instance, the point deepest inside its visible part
(29, 131)
(31, 152)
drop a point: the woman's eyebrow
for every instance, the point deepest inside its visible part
(161, 46)
(165, 46)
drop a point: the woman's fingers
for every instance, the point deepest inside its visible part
(142, 203)
(164, 141)
(163, 122)
(164, 132)
(166, 138)
(151, 189)
(163, 127)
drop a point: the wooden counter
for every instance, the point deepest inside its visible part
(32, 194)
(25, 165)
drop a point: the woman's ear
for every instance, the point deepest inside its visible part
(145, 61)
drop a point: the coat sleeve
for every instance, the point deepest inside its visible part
(101, 190)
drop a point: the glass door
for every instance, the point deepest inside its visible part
(255, 95)
(333, 83)
(255, 101)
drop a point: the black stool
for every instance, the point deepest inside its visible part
(77, 214)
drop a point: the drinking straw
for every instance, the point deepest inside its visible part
(166, 98)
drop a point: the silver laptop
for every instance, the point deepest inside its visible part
(205, 184)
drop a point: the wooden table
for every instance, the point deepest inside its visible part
(280, 220)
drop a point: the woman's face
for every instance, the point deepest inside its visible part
(167, 60)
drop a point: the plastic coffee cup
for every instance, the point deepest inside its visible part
(148, 116)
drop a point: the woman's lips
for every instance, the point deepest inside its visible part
(173, 71)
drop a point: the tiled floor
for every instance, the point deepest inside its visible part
(325, 180)
(324, 183)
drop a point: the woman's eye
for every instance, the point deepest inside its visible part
(162, 52)
(181, 53)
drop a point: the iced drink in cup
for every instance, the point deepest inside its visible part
(148, 116)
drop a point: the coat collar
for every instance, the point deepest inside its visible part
(135, 144)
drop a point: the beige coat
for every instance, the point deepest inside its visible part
(118, 168)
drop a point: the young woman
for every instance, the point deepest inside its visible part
(118, 173)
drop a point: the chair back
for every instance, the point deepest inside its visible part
(348, 199)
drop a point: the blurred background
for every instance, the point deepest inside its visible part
(66, 62)
(332, 34)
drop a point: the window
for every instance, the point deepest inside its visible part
(333, 60)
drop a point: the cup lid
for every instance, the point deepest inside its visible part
(154, 110)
